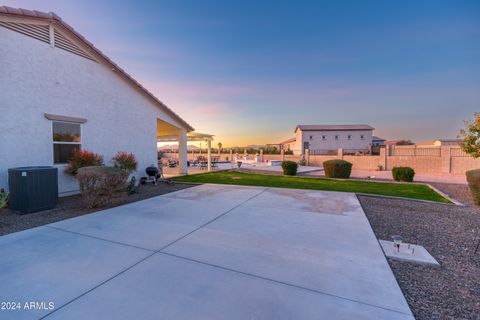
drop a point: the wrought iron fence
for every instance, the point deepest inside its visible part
(356, 152)
(416, 151)
(458, 152)
(321, 152)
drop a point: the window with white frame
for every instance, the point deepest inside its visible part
(349, 137)
(311, 137)
(66, 139)
(337, 137)
(324, 137)
(362, 137)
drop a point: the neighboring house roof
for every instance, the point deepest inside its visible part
(433, 141)
(289, 140)
(52, 17)
(333, 127)
(427, 142)
(378, 138)
(391, 142)
(449, 140)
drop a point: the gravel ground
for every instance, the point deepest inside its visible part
(459, 192)
(450, 234)
(69, 207)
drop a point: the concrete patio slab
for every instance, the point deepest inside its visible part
(166, 287)
(47, 265)
(333, 253)
(217, 194)
(226, 252)
(149, 224)
(339, 203)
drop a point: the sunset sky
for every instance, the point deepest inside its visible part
(250, 71)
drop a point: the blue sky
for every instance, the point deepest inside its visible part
(250, 71)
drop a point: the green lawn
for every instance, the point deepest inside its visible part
(405, 190)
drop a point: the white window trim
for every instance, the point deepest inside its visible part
(64, 142)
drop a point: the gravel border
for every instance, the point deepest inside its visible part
(449, 233)
(72, 206)
(459, 192)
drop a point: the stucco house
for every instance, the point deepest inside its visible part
(56, 84)
(439, 143)
(353, 137)
(378, 142)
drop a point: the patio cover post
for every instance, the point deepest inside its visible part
(182, 153)
(209, 155)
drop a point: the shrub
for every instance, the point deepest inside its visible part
(302, 161)
(132, 187)
(82, 158)
(3, 198)
(403, 174)
(473, 179)
(337, 169)
(125, 161)
(98, 183)
(289, 168)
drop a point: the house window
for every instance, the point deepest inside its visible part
(324, 137)
(66, 139)
(349, 137)
(311, 137)
(336, 137)
(362, 137)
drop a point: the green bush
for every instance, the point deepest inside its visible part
(337, 169)
(82, 158)
(3, 198)
(289, 168)
(403, 174)
(132, 187)
(99, 183)
(473, 179)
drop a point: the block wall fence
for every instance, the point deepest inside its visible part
(423, 160)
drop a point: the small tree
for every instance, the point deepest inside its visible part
(83, 158)
(471, 136)
(125, 161)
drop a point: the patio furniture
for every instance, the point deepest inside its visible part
(172, 163)
(153, 173)
(194, 163)
(156, 174)
(215, 161)
(203, 162)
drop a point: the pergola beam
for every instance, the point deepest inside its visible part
(190, 136)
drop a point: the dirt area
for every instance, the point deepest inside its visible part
(72, 206)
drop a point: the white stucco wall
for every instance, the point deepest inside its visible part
(36, 79)
(317, 143)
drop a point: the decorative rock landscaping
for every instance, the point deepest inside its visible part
(450, 233)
